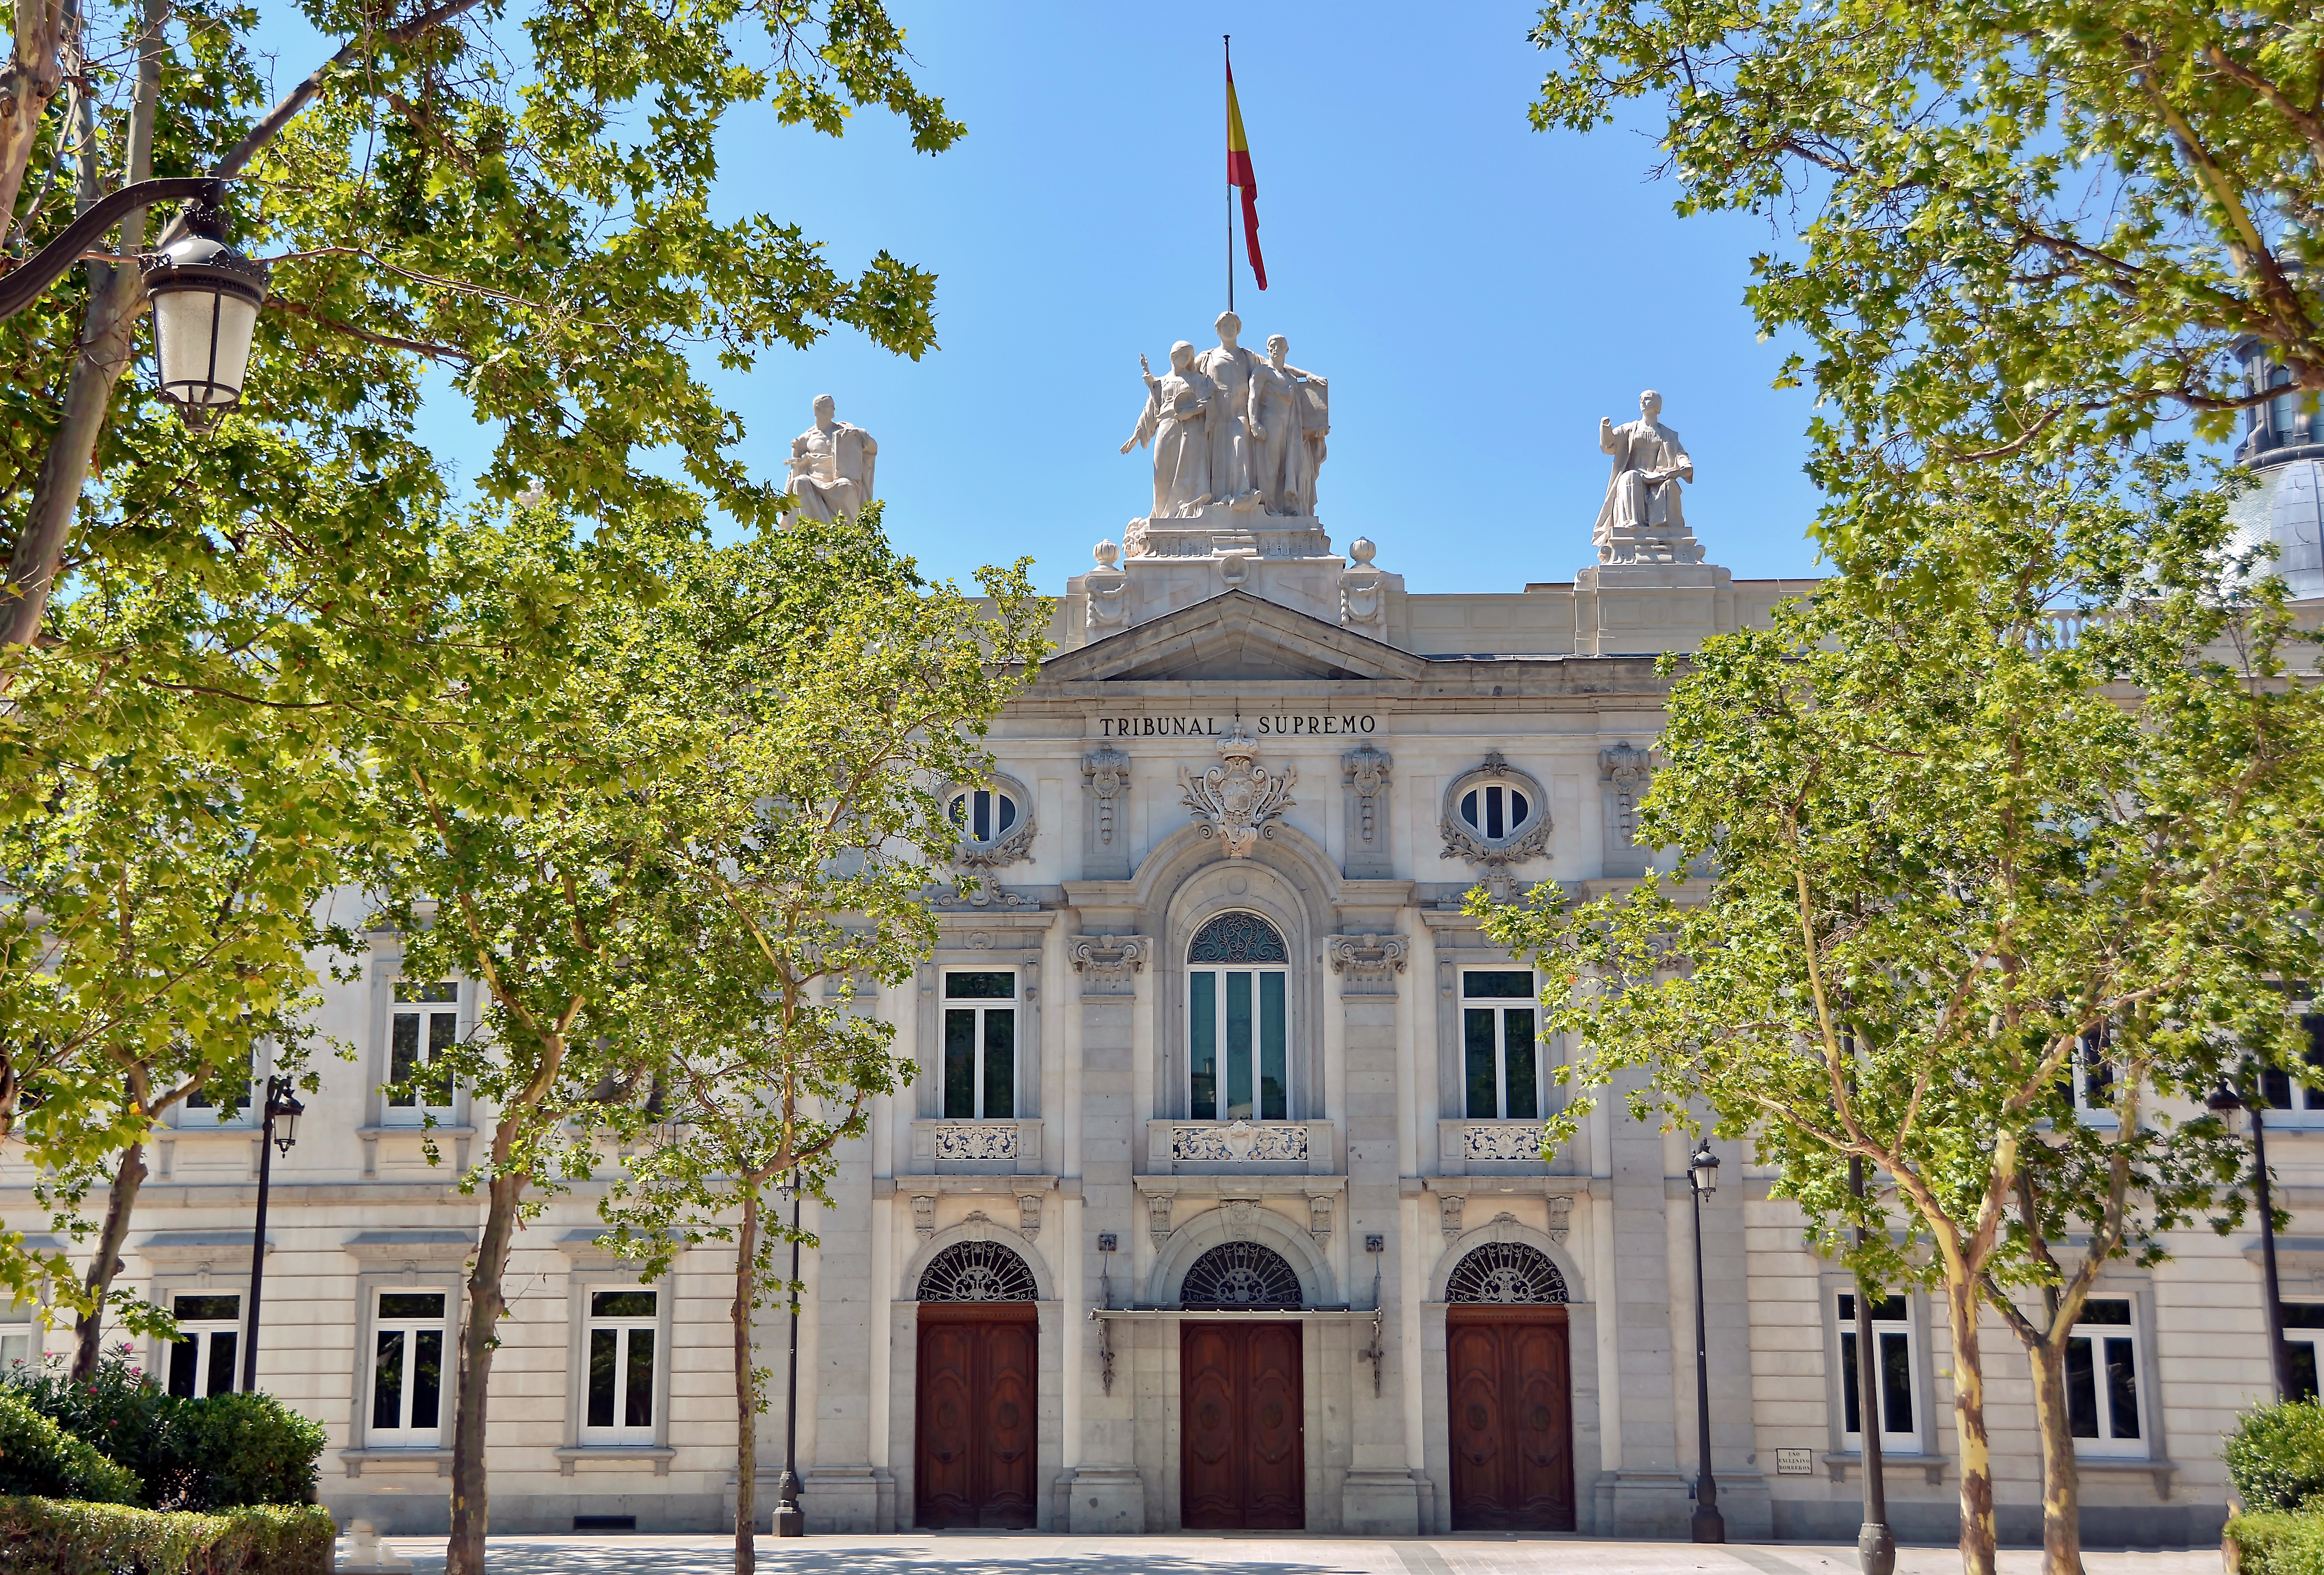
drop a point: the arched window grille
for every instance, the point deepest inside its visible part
(1240, 1274)
(1506, 1271)
(977, 1271)
(1238, 1022)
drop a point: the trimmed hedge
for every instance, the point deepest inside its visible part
(102, 1539)
(2275, 1455)
(38, 1457)
(208, 1454)
(2273, 1542)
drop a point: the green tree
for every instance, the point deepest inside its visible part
(844, 692)
(2019, 224)
(1951, 842)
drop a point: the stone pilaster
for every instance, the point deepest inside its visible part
(1646, 1495)
(840, 1489)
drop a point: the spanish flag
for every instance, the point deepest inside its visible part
(1239, 173)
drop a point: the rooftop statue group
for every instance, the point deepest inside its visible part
(1233, 429)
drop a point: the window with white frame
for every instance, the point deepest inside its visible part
(20, 1337)
(982, 815)
(1238, 1029)
(425, 1025)
(980, 1044)
(2102, 1404)
(2303, 1334)
(618, 1337)
(1501, 1064)
(2300, 1098)
(228, 1102)
(2093, 1075)
(407, 1372)
(203, 1357)
(1892, 1366)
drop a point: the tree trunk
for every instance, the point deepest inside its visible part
(746, 1390)
(479, 1337)
(2062, 1488)
(33, 74)
(1977, 1527)
(127, 1177)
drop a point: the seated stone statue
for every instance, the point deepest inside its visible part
(831, 465)
(1642, 519)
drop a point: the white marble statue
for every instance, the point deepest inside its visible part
(1177, 419)
(1287, 431)
(1229, 365)
(1642, 519)
(831, 465)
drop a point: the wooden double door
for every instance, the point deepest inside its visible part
(974, 1452)
(1242, 1461)
(1512, 1418)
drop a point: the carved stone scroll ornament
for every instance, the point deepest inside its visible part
(1366, 771)
(1107, 771)
(1561, 1216)
(1235, 801)
(1463, 841)
(1004, 848)
(924, 1215)
(1106, 962)
(1028, 1214)
(1449, 1206)
(1319, 1221)
(1629, 769)
(1158, 1218)
(1368, 962)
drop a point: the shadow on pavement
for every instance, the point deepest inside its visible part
(616, 1555)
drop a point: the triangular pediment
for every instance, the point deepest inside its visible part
(1233, 638)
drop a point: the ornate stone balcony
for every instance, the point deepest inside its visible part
(988, 1147)
(1254, 1147)
(1490, 1145)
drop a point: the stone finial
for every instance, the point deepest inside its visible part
(1107, 553)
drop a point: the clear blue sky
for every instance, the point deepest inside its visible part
(1477, 293)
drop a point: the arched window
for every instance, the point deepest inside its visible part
(1240, 1274)
(977, 1271)
(1506, 1271)
(1495, 815)
(1238, 1033)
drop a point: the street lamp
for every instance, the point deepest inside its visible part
(1875, 1544)
(1710, 1526)
(791, 1520)
(279, 1131)
(2224, 1102)
(205, 294)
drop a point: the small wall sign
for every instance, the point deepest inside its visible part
(1794, 1462)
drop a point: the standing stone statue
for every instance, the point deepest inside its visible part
(1231, 367)
(1282, 452)
(1176, 422)
(831, 465)
(1641, 520)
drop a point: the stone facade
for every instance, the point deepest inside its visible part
(1388, 721)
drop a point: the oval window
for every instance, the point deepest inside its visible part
(1495, 812)
(983, 816)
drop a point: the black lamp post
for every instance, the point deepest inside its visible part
(791, 1520)
(205, 294)
(1875, 1544)
(279, 1131)
(2224, 1102)
(1710, 1526)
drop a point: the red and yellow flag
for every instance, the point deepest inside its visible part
(1239, 173)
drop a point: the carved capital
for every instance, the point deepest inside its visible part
(1028, 1214)
(1106, 962)
(1449, 1206)
(1368, 963)
(1158, 1218)
(1561, 1212)
(1319, 1220)
(924, 1215)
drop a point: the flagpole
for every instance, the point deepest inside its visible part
(1226, 44)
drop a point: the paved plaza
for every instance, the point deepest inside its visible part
(972, 1555)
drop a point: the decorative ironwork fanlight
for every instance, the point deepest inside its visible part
(1238, 938)
(978, 1270)
(1506, 1271)
(1239, 1273)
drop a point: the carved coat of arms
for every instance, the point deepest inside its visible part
(1234, 802)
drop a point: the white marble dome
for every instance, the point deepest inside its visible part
(2287, 508)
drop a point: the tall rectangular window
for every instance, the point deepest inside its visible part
(2302, 1095)
(2303, 1333)
(228, 1100)
(1238, 1044)
(1892, 1374)
(19, 1342)
(980, 1045)
(2102, 1379)
(203, 1358)
(407, 1372)
(621, 1329)
(1502, 1069)
(425, 1023)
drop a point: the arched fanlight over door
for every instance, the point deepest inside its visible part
(1507, 1272)
(1240, 1274)
(1238, 1021)
(977, 1271)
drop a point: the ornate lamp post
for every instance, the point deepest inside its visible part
(2224, 1102)
(278, 1131)
(205, 294)
(791, 1520)
(1710, 1526)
